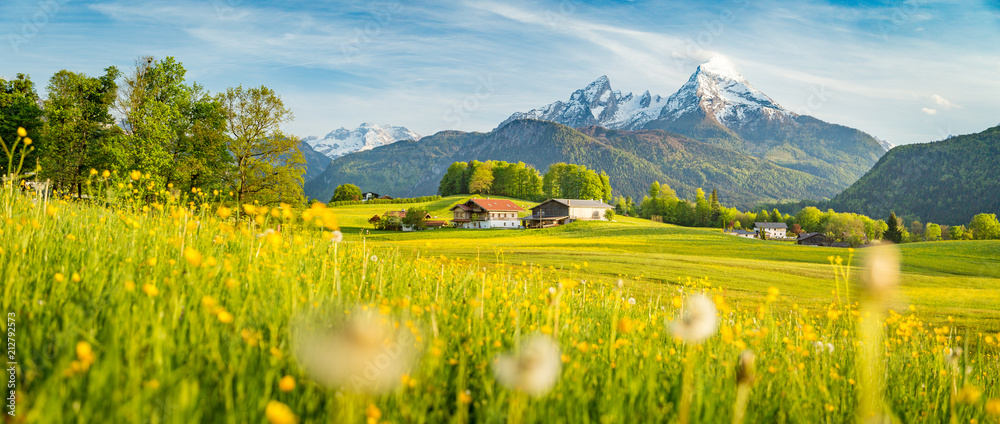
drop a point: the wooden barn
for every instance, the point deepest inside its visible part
(555, 212)
(814, 239)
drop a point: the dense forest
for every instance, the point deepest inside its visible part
(152, 123)
(561, 181)
(947, 181)
(832, 152)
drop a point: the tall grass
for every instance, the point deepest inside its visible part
(157, 310)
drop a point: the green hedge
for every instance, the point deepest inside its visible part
(421, 199)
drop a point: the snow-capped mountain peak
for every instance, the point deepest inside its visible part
(366, 136)
(716, 89)
(598, 104)
(885, 144)
(720, 91)
(721, 67)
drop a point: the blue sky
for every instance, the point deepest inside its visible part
(906, 72)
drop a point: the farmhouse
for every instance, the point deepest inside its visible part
(742, 233)
(771, 229)
(368, 195)
(555, 212)
(486, 213)
(813, 239)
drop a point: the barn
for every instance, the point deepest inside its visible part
(555, 212)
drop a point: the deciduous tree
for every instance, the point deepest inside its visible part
(79, 124)
(20, 107)
(346, 192)
(268, 161)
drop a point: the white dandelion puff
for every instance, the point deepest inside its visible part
(534, 370)
(365, 353)
(883, 270)
(374, 258)
(698, 321)
(823, 347)
(631, 301)
(337, 236)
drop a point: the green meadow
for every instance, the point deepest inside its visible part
(176, 312)
(960, 279)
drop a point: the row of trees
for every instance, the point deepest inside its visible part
(522, 181)
(663, 204)
(983, 226)
(492, 177)
(155, 121)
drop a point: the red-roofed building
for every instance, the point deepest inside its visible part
(486, 213)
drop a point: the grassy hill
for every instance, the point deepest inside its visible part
(945, 182)
(633, 160)
(958, 279)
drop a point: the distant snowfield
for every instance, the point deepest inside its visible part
(367, 136)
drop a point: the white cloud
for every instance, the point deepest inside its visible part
(929, 111)
(942, 102)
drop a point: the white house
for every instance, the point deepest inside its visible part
(742, 233)
(486, 213)
(771, 229)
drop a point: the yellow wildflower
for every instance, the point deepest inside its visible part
(21, 132)
(225, 317)
(193, 257)
(135, 175)
(150, 290)
(279, 413)
(59, 277)
(286, 384)
(85, 353)
(993, 407)
(969, 395)
(373, 413)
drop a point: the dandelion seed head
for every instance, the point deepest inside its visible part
(534, 370)
(698, 321)
(882, 273)
(365, 353)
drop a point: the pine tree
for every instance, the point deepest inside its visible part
(892, 233)
(716, 208)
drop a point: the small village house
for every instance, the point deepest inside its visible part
(369, 195)
(555, 212)
(743, 233)
(813, 239)
(486, 213)
(771, 229)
